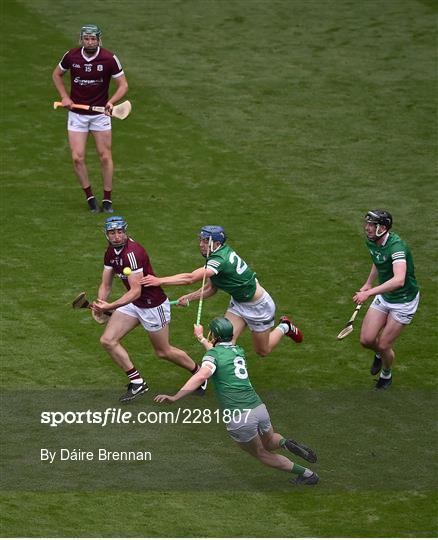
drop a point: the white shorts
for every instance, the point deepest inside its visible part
(88, 122)
(402, 313)
(257, 422)
(258, 315)
(152, 319)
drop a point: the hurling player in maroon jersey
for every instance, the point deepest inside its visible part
(147, 306)
(91, 70)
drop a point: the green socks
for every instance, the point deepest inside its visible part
(298, 469)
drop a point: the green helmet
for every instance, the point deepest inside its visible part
(91, 30)
(222, 329)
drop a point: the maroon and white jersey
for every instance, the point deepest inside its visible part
(90, 77)
(134, 256)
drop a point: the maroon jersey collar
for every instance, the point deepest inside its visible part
(89, 59)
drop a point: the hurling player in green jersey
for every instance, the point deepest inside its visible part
(244, 413)
(250, 304)
(396, 298)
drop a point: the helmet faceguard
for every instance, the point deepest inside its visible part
(214, 233)
(379, 218)
(221, 329)
(90, 30)
(115, 223)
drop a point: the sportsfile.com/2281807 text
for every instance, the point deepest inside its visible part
(114, 415)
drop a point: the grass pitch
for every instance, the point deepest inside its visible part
(284, 121)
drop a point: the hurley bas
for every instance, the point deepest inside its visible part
(102, 454)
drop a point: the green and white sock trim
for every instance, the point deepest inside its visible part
(386, 373)
(298, 469)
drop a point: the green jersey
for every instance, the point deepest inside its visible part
(384, 256)
(230, 378)
(232, 274)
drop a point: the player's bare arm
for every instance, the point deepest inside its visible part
(131, 295)
(190, 386)
(121, 89)
(58, 81)
(397, 281)
(104, 288)
(177, 279)
(209, 290)
(370, 280)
